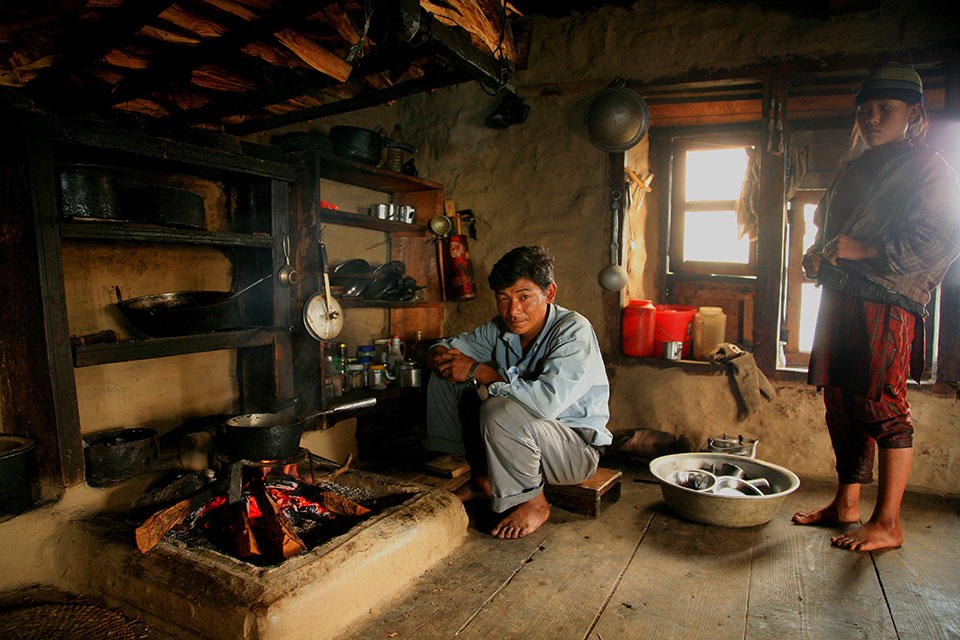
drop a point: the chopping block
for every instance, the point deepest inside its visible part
(585, 497)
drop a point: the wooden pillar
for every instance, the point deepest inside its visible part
(37, 388)
(948, 350)
(771, 225)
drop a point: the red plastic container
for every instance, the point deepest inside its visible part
(674, 323)
(639, 319)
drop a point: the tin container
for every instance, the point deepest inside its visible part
(381, 211)
(410, 374)
(672, 350)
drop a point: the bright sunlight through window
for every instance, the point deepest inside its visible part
(809, 292)
(714, 178)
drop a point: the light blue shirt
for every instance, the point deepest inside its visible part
(562, 377)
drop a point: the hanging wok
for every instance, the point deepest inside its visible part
(617, 119)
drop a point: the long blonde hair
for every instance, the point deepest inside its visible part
(916, 134)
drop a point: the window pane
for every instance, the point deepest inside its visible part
(715, 174)
(711, 236)
(809, 229)
(809, 306)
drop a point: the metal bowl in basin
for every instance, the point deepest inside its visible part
(723, 510)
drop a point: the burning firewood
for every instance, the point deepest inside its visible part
(279, 531)
(246, 542)
(342, 505)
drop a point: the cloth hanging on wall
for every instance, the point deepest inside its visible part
(748, 205)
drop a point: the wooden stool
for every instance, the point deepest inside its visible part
(585, 497)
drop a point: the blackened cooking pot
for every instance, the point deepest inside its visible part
(168, 206)
(273, 436)
(89, 191)
(363, 145)
(119, 454)
(16, 461)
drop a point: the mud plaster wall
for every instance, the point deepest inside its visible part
(543, 182)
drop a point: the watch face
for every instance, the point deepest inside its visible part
(316, 318)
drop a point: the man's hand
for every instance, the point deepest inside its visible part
(452, 365)
(811, 265)
(847, 248)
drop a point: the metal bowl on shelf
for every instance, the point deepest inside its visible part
(353, 275)
(745, 507)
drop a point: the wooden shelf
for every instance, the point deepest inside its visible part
(353, 303)
(105, 353)
(340, 169)
(110, 139)
(334, 216)
(133, 232)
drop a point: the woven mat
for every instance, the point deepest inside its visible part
(70, 621)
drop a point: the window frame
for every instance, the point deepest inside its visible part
(679, 206)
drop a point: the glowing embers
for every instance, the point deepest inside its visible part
(275, 517)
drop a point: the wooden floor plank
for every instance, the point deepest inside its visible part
(803, 587)
(562, 590)
(922, 578)
(686, 580)
(440, 603)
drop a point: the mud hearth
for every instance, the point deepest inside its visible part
(196, 592)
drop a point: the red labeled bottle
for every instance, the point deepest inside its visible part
(639, 320)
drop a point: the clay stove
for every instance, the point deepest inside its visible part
(198, 592)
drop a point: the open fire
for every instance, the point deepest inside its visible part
(263, 513)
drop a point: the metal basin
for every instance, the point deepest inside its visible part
(718, 509)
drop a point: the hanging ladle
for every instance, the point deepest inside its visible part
(614, 277)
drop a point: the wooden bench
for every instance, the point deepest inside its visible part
(585, 497)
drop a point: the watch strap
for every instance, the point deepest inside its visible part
(472, 374)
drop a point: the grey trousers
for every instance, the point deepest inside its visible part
(522, 450)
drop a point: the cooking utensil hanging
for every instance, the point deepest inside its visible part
(322, 315)
(164, 315)
(617, 118)
(288, 275)
(613, 277)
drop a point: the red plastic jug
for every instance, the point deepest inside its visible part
(639, 320)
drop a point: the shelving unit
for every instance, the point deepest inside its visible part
(42, 390)
(409, 243)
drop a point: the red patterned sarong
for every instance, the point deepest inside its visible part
(862, 354)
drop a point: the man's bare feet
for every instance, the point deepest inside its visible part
(523, 519)
(828, 515)
(870, 536)
(476, 488)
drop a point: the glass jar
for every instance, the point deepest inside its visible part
(377, 376)
(356, 376)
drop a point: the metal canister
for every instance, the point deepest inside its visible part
(409, 374)
(672, 350)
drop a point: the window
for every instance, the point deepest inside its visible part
(802, 296)
(705, 237)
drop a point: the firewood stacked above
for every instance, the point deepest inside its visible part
(245, 65)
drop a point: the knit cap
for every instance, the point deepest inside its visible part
(891, 80)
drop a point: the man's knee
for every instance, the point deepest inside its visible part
(501, 416)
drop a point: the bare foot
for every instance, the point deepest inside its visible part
(828, 515)
(523, 519)
(478, 487)
(869, 537)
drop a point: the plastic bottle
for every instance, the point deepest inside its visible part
(639, 320)
(395, 356)
(709, 330)
(395, 154)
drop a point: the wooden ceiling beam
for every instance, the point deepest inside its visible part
(363, 101)
(277, 93)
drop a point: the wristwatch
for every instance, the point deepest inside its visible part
(475, 384)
